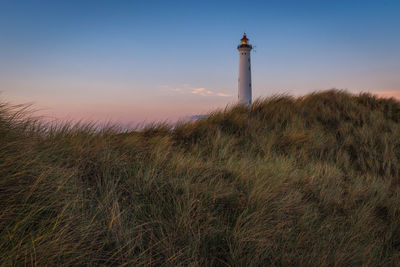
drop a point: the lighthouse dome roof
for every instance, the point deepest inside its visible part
(244, 44)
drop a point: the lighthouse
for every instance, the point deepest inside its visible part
(244, 92)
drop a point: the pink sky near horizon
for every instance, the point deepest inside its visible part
(128, 103)
(165, 108)
(388, 93)
(170, 104)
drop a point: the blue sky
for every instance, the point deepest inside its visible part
(134, 61)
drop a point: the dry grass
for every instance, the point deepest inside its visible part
(292, 181)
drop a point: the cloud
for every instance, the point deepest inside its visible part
(204, 92)
(198, 91)
(188, 89)
(179, 90)
(222, 94)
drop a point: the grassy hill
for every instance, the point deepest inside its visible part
(313, 180)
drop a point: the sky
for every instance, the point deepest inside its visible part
(130, 62)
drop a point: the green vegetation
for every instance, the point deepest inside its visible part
(310, 181)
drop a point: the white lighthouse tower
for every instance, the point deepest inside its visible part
(244, 92)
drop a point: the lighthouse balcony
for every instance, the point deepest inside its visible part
(244, 46)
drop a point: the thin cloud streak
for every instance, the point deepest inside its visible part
(188, 89)
(204, 92)
(224, 95)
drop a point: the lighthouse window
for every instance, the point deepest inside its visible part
(249, 68)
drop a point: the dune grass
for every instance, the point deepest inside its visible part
(313, 180)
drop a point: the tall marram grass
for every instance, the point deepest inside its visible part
(313, 180)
